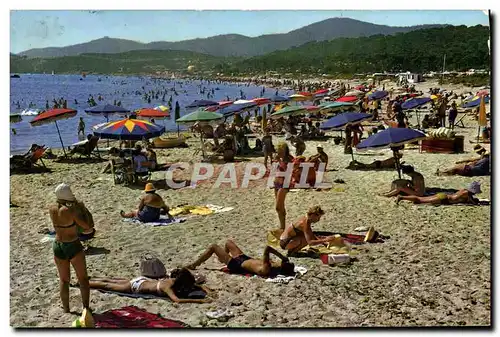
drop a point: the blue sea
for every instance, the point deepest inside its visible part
(37, 89)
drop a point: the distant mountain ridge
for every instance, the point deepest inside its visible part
(233, 44)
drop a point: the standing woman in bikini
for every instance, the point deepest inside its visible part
(280, 190)
(67, 247)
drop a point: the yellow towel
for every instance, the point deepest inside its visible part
(337, 246)
(188, 209)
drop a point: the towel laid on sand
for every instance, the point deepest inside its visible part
(336, 247)
(132, 317)
(199, 210)
(299, 271)
(130, 295)
(164, 221)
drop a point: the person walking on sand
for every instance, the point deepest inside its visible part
(67, 248)
(280, 189)
(81, 126)
(267, 147)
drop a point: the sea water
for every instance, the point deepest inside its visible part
(37, 89)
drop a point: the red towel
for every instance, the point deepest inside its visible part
(132, 317)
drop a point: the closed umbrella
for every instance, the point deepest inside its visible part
(481, 120)
(129, 129)
(391, 138)
(54, 115)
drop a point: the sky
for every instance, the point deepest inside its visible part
(39, 29)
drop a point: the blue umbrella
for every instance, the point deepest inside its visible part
(106, 109)
(475, 102)
(391, 138)
(277, 99)
(415, 102)
(234, 108)
(378, 95)
(345, 119)
(201, 103)
(129, 129)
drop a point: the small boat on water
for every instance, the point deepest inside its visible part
(165, 143)
(15, 76)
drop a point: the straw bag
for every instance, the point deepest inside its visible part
(152, 267)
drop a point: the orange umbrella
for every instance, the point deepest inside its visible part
(482, 113)
(152, 113)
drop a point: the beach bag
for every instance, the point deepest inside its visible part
(152, 267)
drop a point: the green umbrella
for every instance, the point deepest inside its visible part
(200, 115)
(289, 111)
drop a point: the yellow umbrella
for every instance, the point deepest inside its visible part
(434, 97)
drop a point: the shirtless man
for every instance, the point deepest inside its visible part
(239, 263)
(414, 187)
(67, 248)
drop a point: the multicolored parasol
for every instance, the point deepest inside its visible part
(129, 129)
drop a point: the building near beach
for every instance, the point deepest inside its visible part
(409, 77)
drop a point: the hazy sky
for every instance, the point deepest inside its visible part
(37, 29)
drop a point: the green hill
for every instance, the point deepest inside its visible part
(420, 51)
(132, 62)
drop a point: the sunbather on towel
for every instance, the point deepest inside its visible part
(415, 186)
(239, 263)
(180, 288)
(300, 234)
(150, 207)
(464, 196)
(481, 151)
(376, 165)
(477, 168)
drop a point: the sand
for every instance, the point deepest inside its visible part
(433, 271)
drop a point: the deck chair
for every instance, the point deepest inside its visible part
(460, 122)
(29, 161)
(122, 173)
(87, 149)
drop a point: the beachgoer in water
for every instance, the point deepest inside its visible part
(178, 287)
(239, 263)
(81, 126)
(67, 247)
(414, 187)
(150, 207)
(299, 234)
(464, 196)
(280, 190)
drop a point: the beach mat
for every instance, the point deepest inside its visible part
(164, 221)
(132, 317)
(336, 247)
(129, 295)
(300, 271)
(199, 210)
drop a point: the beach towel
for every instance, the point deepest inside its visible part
(130, 295)
(199, 210)
(163, 221)
(336, 247)
(299, 271)
(132, 317)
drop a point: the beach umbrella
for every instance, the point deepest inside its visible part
(201, 103)
(225, 103)
(129, 129)
(354, 93)
(261, 101)
(483, 92)
(298, 98)
(345, 119)
(200, 115)
(106, 110)
(320, 92)
(279, 99)
(15, 118)
(152, 113)
(289, 111)
(54, 115)
(360, 87)
(378, 94)
(415, 102)
(162, 108)
(391, 138)
(335, 106)
(243, 101)
(347, 99)
(476, 101)
(232, 109)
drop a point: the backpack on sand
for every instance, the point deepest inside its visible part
(152, 267)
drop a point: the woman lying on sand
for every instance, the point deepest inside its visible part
(178, 287)
(415, 186)
(465, 196)
(239, 263)
(150, 208)
(481, 151)
(300, 234)
(67, 247)
(376, 165)
(479, 167)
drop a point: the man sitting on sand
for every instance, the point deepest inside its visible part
(178, 287)
(464, 196)
(300, 234)
(406, 187)
(150, 208)
(239, 263)
(388, 163)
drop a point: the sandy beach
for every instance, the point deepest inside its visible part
(433, 271)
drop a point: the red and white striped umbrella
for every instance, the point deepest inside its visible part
(54, 115)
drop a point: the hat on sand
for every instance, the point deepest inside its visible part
(474, 187)
(63, 192)
(149, 188)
